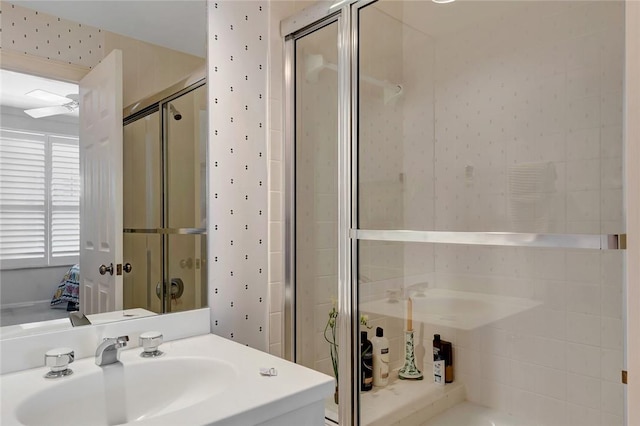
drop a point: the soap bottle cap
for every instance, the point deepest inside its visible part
(363, 336)
(436, 337)
(379, 332)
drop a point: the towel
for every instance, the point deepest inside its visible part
(68, 288)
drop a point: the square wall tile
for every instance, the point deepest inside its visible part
(613, 398)
(275, 297)
(583, 328)
(275, 327)
(584, 390)
(611, 364)
(584, 359)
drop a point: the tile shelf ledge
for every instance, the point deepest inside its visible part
(461, 310)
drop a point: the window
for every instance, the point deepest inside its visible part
(39, 199)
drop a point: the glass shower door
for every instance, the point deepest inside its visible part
(489, 205)
(316, 203)
(185, 200)
(142, 211)
(165, 205)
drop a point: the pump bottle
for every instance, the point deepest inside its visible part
(380, 358)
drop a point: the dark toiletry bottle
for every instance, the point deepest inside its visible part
(366, 362)
(437, 347)
(447, 355)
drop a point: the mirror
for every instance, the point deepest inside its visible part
(163, 42)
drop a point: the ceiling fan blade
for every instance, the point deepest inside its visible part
(48, 96)
(47, 111)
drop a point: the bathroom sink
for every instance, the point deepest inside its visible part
(201, 380)
(126, 392)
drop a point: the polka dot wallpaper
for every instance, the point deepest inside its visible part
(39, 34)
(238, 293)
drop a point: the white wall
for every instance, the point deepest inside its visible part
(29, 285)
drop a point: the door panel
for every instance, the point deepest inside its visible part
(316, 201)
(101, 199)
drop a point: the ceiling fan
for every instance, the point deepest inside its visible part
(66, 104)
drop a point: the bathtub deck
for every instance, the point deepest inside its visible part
(406, 402)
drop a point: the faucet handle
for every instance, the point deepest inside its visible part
(120, 342)
(150, 341)
(58, 360)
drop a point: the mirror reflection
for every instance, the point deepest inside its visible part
(163, 238)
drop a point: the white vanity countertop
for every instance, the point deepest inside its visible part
(249, 399)
(28, 329)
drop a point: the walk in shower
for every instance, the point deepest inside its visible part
(164, 244)
(457, 170)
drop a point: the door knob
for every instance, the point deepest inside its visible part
(127, 267)
(104, 269)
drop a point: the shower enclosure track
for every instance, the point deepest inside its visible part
(505, 239)
(181, 231)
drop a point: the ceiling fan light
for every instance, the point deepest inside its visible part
(47, 96)
(443, 1)
(47, 111)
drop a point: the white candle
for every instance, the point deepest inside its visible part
(409, 314)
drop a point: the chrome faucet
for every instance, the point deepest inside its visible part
(109, 350)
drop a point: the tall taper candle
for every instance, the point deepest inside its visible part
(409, 314)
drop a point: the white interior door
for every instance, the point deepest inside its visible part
(101, 198)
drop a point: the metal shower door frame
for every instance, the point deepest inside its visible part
(292, 29)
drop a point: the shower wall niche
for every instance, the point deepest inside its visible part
(164, 203)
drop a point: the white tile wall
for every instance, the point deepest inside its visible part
(278, 10)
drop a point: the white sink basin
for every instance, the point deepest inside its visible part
(125, 393)
(203, 380)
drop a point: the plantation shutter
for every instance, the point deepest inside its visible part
(23, 221)
(65, 197)
(39, 199)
